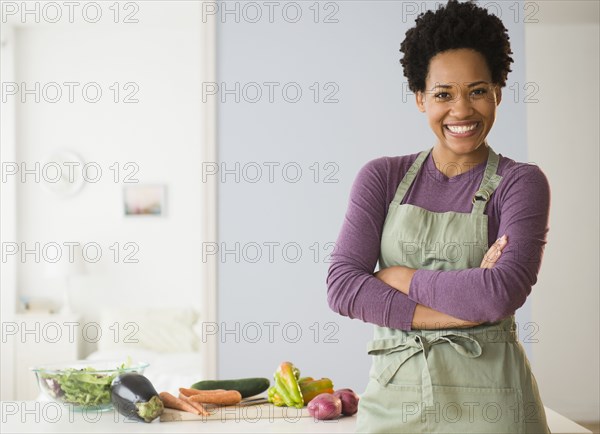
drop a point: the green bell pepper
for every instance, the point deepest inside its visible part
(286, 388)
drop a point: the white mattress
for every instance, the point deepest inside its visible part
(167, 371)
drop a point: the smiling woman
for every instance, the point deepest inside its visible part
(446, 355)
(460, 103)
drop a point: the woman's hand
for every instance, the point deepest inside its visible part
(398, 277)
(426, 318)
(494, 252)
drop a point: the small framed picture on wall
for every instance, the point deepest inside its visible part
(144, 200)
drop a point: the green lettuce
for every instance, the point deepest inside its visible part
(86, 387)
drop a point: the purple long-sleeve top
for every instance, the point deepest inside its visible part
(519, 208)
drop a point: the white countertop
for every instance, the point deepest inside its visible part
(50, 417)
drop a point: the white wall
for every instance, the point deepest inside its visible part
(563, 138)
(8, 214)
(162, 134)
(360, 53)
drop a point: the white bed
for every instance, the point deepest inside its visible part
(167, 371)
(168, 339)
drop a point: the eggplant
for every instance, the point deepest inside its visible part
(134, 396)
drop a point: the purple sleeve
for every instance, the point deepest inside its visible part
(479, 294)
(352, 290)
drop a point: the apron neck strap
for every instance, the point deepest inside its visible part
(488, 185)
(410, 176)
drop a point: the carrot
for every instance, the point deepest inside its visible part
(171, 401)
(196, 405)
(228, 397)
(191, 392)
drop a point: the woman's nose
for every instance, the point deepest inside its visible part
(462, 106)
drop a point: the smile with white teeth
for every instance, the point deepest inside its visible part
(461, 129)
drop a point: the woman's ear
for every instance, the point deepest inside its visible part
(498, 91)
(420, 100)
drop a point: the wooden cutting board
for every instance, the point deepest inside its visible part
(246, 410)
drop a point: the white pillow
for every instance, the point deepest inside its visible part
(155, 329)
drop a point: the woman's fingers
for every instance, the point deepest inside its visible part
(494, 252)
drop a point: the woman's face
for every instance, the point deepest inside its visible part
(460, 101)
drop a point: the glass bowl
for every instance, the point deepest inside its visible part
(83, 384)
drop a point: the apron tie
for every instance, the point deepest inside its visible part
(463, 344)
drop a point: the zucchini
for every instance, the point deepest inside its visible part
(246, 386)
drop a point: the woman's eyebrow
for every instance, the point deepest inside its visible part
(475, 83)
(448, 86)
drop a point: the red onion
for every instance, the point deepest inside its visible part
(325, 406)
(349, 401)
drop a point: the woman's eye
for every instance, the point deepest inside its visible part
(479, 92)
(442, 95)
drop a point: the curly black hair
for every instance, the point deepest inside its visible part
(455, 25)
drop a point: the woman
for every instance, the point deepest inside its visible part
(446, 355)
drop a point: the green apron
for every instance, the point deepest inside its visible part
(459, 380)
